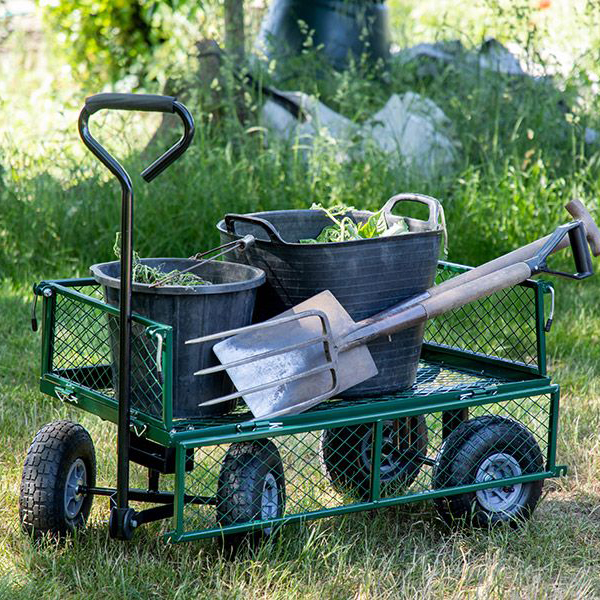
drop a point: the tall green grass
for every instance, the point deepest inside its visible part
(521, 157)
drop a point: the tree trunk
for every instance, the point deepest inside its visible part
(234, 30)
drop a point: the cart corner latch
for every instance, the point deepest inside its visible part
(548, 324)
(561, 470)
(38, 289)
(138, 428)
(478, 392)
(256, 425)
(66, 394)
(34, 321)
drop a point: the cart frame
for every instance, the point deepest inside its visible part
(476, 374)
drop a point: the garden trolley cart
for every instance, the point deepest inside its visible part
(476, 432)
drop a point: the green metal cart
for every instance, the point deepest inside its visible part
(476, 432)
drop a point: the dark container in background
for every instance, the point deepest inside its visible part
(343, 27)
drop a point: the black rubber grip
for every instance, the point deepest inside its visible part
(142, 102)
(581, 252)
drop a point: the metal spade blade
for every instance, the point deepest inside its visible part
(290, 363)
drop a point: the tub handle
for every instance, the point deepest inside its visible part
(435, 208)
(436, 219)
(273, 234)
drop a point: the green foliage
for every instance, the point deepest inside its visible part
(108, 39)
(344, 228)
(142, 273)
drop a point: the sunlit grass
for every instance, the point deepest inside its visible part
(58, 214)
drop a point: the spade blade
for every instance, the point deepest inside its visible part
(304, 373)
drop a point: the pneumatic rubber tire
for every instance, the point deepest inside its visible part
(251, 487)
(60, 458)
(345, 454)
(482, 449)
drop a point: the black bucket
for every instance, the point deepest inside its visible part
(366, 276)
(192, 311)
(342, 28)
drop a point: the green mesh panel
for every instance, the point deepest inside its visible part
(326, 469)
(85, 350)
(502, 325)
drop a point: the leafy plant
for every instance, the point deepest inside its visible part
(345, 229)
(108, 39)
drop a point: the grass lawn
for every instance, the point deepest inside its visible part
(522, 158)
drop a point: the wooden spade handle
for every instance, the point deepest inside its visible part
(421, 310)
(575, 208)
(475, 290)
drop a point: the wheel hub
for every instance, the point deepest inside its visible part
(499, 499)
(269, 502)
(76, 479)
(393, 457)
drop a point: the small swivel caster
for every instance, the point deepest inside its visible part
(122, 523)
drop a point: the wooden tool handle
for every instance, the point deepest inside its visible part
(498, 274)
(516, 256)
(475, 290)
(575, 208)
(388, 322)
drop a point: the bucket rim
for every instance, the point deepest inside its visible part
(382, 240)
(256, 277)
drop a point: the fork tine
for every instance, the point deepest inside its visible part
(328, 366)
(262, 355)
(264, 325)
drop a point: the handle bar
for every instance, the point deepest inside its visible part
(141, 102)
(167, 104)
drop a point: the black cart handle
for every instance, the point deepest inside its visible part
(144, 103)
(141, 102)
(93, 104)
(231, 218)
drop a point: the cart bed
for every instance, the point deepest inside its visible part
(487, 358)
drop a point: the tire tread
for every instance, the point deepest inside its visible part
(41, 506)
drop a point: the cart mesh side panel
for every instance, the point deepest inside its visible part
(509, 427)
(85, 350)
(82, 348)
(81, 343)
(325, 470)
(503, 325)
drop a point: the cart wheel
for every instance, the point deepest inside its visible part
(60, 458)
(484, 449)
(345, 454)
(251, 487)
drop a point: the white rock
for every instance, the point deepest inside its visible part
(409, 128)
(413, 127)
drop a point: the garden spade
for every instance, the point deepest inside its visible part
(316, 350)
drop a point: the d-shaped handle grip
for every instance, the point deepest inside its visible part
(143, 103)
(580, 212)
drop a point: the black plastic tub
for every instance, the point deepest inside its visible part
(192, 311)
(366, 276)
